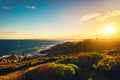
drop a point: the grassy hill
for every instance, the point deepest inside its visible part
(84, 46)
(88, 60)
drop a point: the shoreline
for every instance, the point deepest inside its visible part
(27, 56)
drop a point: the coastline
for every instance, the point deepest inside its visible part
(28, 56)
(24, 46)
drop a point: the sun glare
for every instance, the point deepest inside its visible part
(109, 29)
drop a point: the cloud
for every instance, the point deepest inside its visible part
(108, 15)
(30, 7)
(67, 17)
(114, 13)
(20, 35)
(9, 32)
(89, 16)
(7, 7)
(100, 16)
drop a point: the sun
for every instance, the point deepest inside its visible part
(109, 29)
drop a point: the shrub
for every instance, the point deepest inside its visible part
(52, 71)
(95, 56)
(63, 70)
(105, 64)
(87, 60)
(74, 66)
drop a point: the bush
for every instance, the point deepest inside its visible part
(52, 71)
(74, 66)
(64, 71)
(105, 64)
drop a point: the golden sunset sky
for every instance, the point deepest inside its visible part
(59, 19)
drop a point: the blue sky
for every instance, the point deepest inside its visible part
(54, 19)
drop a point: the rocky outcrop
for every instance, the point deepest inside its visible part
(9, 59)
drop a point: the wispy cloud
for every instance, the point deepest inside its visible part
(67, 17)
(100, 16)
(9, 32)
(30, 7)
(114, 13)
(7, 7)
(108, 15)
(89, 16)
(19, 35)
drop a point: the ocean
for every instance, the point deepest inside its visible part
(8, 47)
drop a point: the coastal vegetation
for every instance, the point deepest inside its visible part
(87, 60)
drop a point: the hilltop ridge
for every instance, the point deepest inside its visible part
(86, 45)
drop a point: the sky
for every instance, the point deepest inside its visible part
(58, 19)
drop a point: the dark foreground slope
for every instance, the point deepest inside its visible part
(82, 66)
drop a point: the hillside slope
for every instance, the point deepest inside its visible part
(84, 46)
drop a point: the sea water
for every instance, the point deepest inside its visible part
(8, 47)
